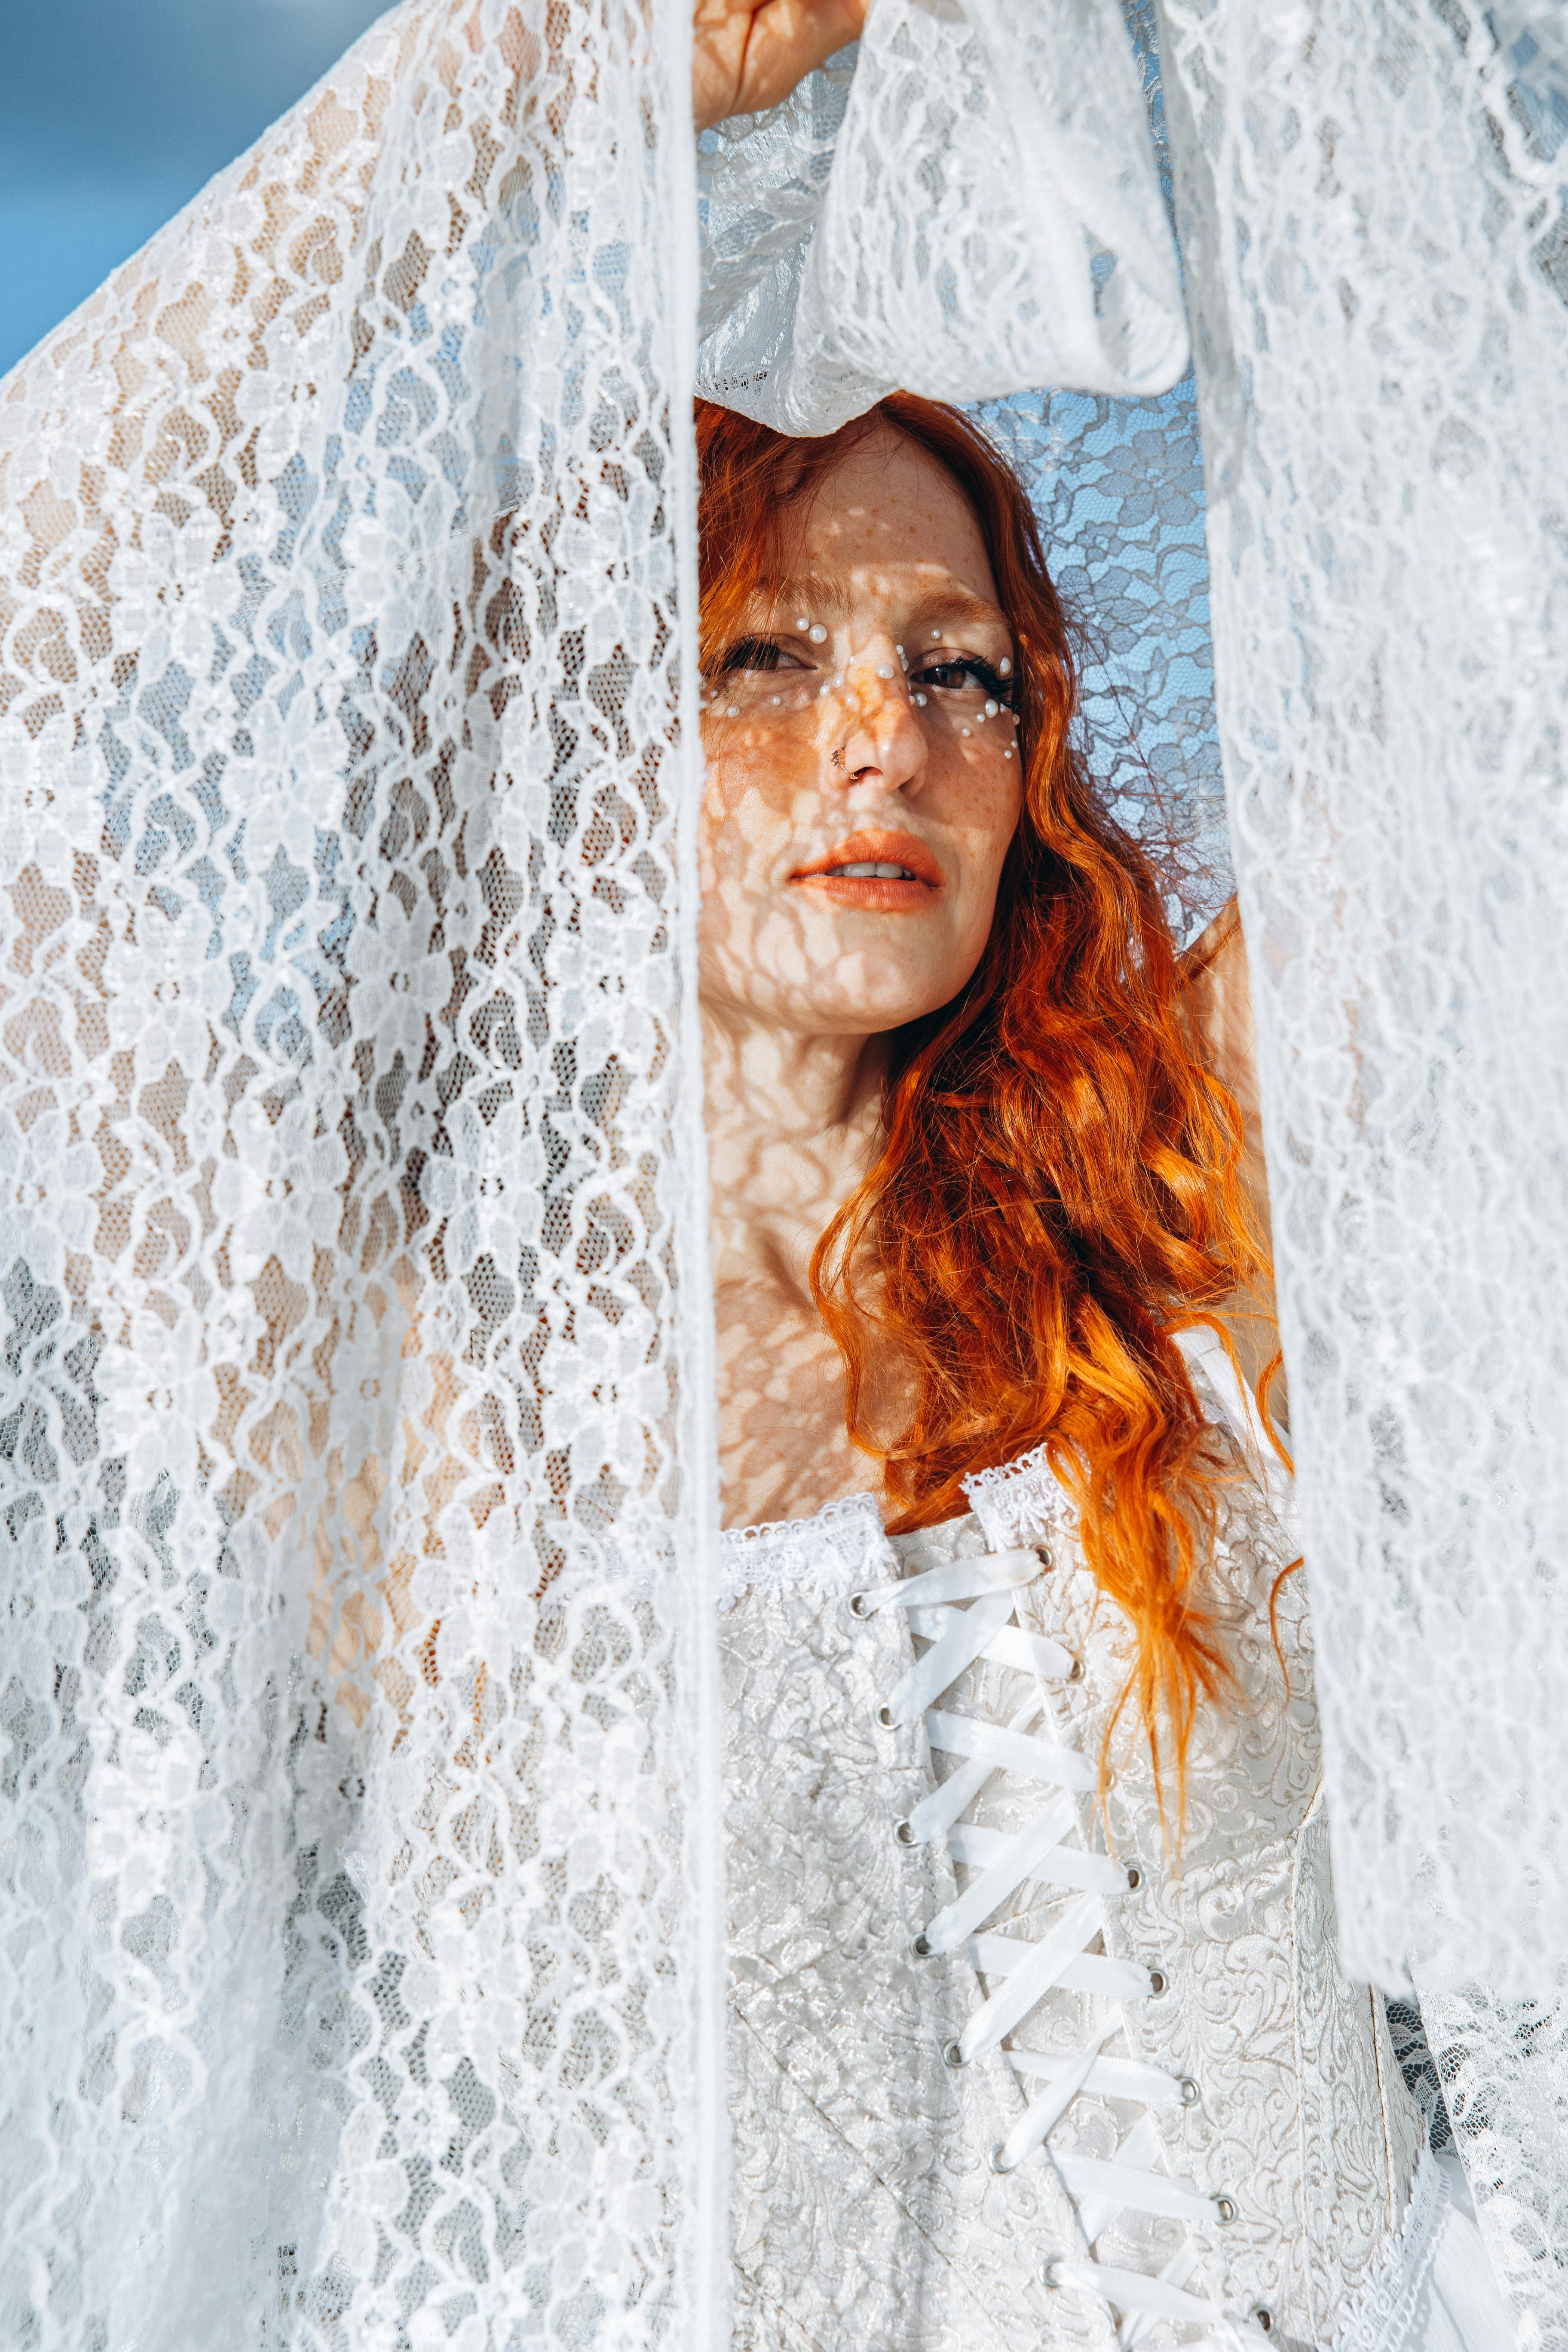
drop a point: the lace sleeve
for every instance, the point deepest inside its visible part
(968, 204)
(358, 1808)
(1503, 2070)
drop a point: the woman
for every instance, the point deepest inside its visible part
(357, 1870)
(1038, 2032)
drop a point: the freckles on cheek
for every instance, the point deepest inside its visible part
(994, 803)
(753, 793)
(736, 821)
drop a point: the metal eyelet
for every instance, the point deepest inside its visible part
(1265, 2318)
(905, 1832)
(921, 1949)
(1189, 2091)
(998, 2163)
(1043, 1553)
(952, 2055)
(1156, 1983)
(885, 1717)
(1075, 1673)
(1134, 1878)
(1225, 2209)
(860, 1604)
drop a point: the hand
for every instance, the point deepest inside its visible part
(750, 53)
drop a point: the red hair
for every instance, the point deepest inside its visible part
(1059, 1191)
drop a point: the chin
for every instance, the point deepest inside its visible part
(885, 1004)
(881, 980)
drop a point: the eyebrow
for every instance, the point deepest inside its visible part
(810, 593)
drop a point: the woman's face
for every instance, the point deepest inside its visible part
(863, 770)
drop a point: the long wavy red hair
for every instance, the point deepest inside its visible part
(1059, 1189)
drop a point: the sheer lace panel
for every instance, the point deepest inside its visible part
(353, 1278)
(1373, 236)
(974, 211)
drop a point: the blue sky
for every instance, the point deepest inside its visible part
(114, 112)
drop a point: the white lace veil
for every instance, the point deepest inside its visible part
(364, 1930)
(364, 1904)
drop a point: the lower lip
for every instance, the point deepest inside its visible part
(875, 893)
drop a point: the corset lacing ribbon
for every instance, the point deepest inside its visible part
(966, 1613)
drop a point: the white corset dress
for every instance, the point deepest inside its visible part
(1006, 2072)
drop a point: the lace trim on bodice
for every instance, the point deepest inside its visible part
(1380, 2317)
(823, 1555)
(1019, 1502)
(820, 1557)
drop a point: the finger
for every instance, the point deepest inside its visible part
(789, 39)
(746, 59)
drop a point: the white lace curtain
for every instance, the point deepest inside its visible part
(363, 1928)
(1374, 202)
(364, 1912)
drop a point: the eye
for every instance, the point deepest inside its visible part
(751, 654)
(964, 673)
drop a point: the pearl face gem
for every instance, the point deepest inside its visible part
(1005, 664)
(992, 708)
(921, 700)
(817, 634)
(803, 625)
(936, 635)
(884, 671)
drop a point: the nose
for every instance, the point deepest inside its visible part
(872, 734)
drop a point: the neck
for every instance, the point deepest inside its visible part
(794, 1124)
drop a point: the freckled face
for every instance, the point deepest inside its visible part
(863, 773)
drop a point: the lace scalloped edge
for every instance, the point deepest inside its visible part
(1013, 1500)
(1018, 1498)
(1379, 2318)
(809, 1555)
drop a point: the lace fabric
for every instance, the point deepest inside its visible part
(976, 213)
(1382, 2316)
(362, 1916)
(1371, 228)
(822, 1555)
(1503, 2068)
(1117, 485)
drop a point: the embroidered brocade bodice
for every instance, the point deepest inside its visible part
(1234, 2144)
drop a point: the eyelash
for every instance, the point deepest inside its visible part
(761, 653)
(744, 655)
(980, 672)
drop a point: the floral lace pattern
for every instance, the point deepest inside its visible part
(1503, 2066)
(352, 1305)
(977, 213)
(1380, 2317)
(818, 1559)
(1370, 206)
